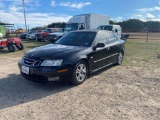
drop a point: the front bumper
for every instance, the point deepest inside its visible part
(46, 74)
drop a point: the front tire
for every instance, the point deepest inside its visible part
(120, 58)
(11, 48)
(79, 73)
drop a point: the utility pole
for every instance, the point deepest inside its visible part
(24, 14)
(147, 32)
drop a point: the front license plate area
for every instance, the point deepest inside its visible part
(25, 69)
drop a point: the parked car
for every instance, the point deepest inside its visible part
(116, 29)
(53, 37)
(44, 34)
(23, 35)
(32, 34)
(74, 56)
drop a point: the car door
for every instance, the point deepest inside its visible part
(113, 48)
(98, 56)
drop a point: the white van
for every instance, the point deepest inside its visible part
(116, 29)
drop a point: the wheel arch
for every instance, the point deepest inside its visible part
(87, 63)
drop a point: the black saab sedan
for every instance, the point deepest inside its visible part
(73, 57)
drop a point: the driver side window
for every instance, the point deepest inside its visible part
(81, 26)
(101, 37)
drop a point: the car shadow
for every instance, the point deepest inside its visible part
(4, 51)
(15, 90)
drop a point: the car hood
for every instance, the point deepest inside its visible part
(41, 32)
(52, 51)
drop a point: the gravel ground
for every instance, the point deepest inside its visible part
(116, 93)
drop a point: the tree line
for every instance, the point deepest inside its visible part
(136, 25)
(52, 25)
(131, 24)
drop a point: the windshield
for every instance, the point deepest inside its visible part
(30, 32)
(46, 30)
(71, 27)
(77, 39)
(109, 28)
(53, 30)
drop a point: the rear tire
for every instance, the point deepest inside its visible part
(20, 47)
(79, 73)
(120, 58)
(11, 48)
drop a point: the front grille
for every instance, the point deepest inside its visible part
(31, 62)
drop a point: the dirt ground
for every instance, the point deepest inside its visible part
(115, 93)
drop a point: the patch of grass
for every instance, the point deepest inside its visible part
(141, 54)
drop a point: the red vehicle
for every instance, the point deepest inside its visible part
(44, 34)
(11, 44)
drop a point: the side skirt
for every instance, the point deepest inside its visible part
(102, 67)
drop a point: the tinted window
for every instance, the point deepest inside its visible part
(81, 26)
(77, 39)
(101, 37)
(46, 30)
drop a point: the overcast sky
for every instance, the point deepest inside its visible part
(44, 12)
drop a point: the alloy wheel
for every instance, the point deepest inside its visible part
(81, 72)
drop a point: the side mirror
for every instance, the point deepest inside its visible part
(99, 45)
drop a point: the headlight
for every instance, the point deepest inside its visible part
(52, 63)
